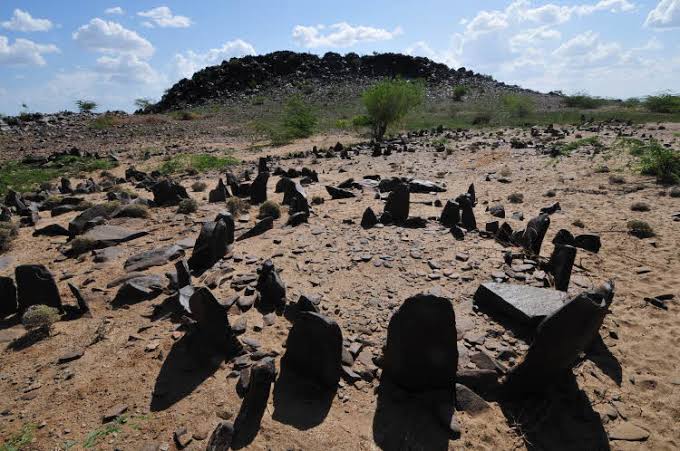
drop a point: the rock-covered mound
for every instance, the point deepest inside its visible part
(253, 74)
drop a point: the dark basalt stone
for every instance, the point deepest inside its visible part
(139, 289)
(398, 203)
(421, 352)
(36, 286)
(561, 263)
(314, 349)
(520, 302)
(168, 193)
(212, 244)
(247, 423)
(8, 297)
(533, 235)
(588, 242)
(369, 219)
(468, 220)
(154, 257)
(451, 214)
(258, 189)
(271, 289)
(219, 194)
(212, 321)
(339, 193)
(497, 211)
(559, 341)
(424, 186)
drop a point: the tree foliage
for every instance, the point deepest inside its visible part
(389, 101)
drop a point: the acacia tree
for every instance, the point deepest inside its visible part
(388, 101)
(86, 106)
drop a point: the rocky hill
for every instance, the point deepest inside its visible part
(253, 75)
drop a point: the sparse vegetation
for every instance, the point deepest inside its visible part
(387, 102)
(21, 439)
(104, 121)
(8, 232)
(516, 198)
(663, 103)
(143, 103)
(270, 209)
(640, 206)
(40, 317)
(80, 245)
(661, 162)
(187, 206)
(616, 179)
(459, 92)
(568, 148)
(518, 106)
(583, 101)
(93, 438)
(23, 177)
(640, 229)
(299, 119)
(86, 106)
(184, 115)
(134, 211)
(237, 206)
(198, 162)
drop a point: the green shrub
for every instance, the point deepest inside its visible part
(183, 115)
(80, 245)
(633, 102)
(134, 211)
(237, 206)
(661, 162)
(40, 317)
(518, 106)
(388, 101)
(640, 229)
(362, 120)
(8, 232)
(104, 121)
(86, 106)
(639, 206)
(270, 209)
(674, 192)
(583, 101)
(663, 103)
(459, 92)
(187, 206)
(143, 103)
(516, 198)
(568, 148)
(298, 119)
(481, 118)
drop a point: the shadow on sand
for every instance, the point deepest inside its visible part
(299, 402)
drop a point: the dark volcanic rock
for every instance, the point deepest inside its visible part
(139, 289)
(588, 242)
(369, 219)
(104, 236)
(532, 239)
(219, 194)
(221, 437)
(52, 230)
(271, 289)
(247, 423)
(212, 322)
(339, 193)
(258, 189)
(212, 244)
(561, 264)
(421, 350)
(451, 214)
(424, 186)
(559, 340)
(83, 307)
(168, 193)
(497, 211)
(79, 224)
(154, 257)
(258, 229)
(35, 285)
(314, 349)
(398, 203)
(8, 297)
(523, 303)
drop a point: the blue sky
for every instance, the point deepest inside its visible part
(55, 52)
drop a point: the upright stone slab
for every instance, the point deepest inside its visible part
(8, 297)
(247, 422)
(451, 214)
(212, 321)
(258, 189)
(219, 194)
(369, 219)
(532, 239)
(314, 349)
(561, 264)
(523, 303)
(467, 212)
(271, 289)
(36, 286)
(168, 193)
(211, 245)
(398, 203)
(559, 340)
(421, 351)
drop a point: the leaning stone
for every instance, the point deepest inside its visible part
(535, 232)
(560, 264)
(339, 193)
(212, 321)
(588, 242)
(398, 203)
(139, 289)
(210, 246)
(259, 228)
(80, 222)
(520, 302)
(258, 189)
(154, 257)
(83, 307)
(468, 214)
(421, 350)
(247, 423)
(559, 340)
(52, 230)
(470, 402)
(221, 437)
(424, 186)
(219, 194)
(451, 214)
(36, 286)
(314, 349)
(296, 219)
(105, 235)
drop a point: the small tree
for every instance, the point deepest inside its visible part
(389, 101)
(458, 93)
(143, 103)
(298, 119)
(86, 106)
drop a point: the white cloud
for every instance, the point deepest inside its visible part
(534, 36)
(422, 48)
(23, 21)
(340, 35)
(186, 64)
(111, 37)
(24, 52)
(665, 15)
(162, 16)
(127, 69)
(116, 10)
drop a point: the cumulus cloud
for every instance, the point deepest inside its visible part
(340, 35)
(24, 52)
(127, 68)
(163, 17)
(666, 15)
(187, 63)
(116, 10)
(422, 48)
(23, 21)
(111, 37)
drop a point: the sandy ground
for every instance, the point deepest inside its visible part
(362, 276)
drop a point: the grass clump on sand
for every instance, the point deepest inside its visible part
(654, 159)
(187, 206)
(270, 209)
(199, 187)
(196, 162)
(237, 206)
(640, 229)
(8, 232)
(134, 211)
(21, 440)
(568, 148)
(40, 317)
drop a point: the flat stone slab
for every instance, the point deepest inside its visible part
(155, 257)
(523, 303)
(111, 235)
